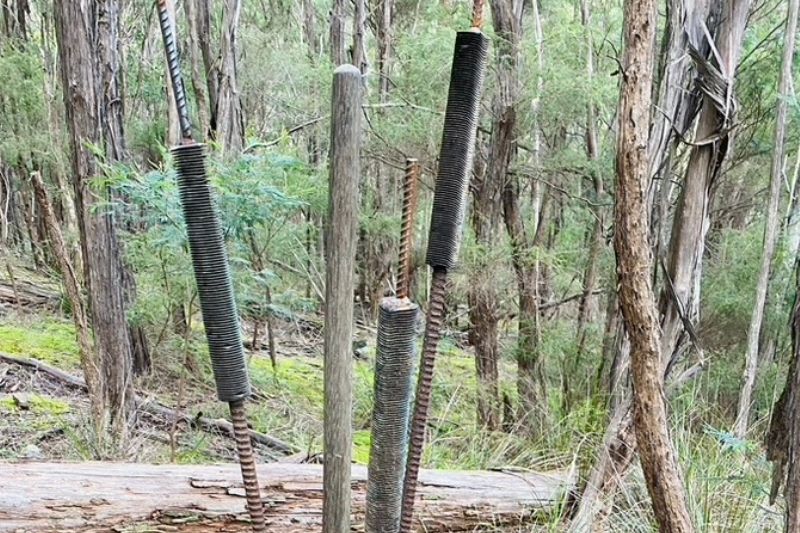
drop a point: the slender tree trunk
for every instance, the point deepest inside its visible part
(199, 82)
(680, 297)
(714, 140)
(88, 357)
(486, 212)
(792, 229)
(201, 13)
(634, 262)
(87, 32)
(770, 225)
(596, 240)
(230, 122)
(112, 122)
(360, 36)
(530, 364)
(337, 34)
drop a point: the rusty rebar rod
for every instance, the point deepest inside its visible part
(410, 197)
(477, 13)
(419, 420)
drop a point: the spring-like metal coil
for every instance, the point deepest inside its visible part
(458, 148)
(247, 462)
(394, 364)
(410, 197)
(419, 421)
(214, 286)
(174, 68)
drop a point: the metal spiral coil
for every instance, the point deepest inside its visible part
(394, 364)
(433, 333)
(458, 148)
(214, 286)
(174, 67)
(410, 197)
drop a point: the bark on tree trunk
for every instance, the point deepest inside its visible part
(783, 438)
(530, 365)
(337, 35)
(770, 226)
(486, 211)
(199, 82)
(636, 299)
(230, 122)
(87, 31)
(680, 296)
(360, 36)
(80, 317)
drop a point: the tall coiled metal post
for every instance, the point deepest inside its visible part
(211, 271)
(447, 217)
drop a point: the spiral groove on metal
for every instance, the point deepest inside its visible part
(394, 364)
(174, 68)
(247, 462)
(419, 420)
(212, 274)
(458, 148)
(410, 197)
(447, 218)
(210, 263)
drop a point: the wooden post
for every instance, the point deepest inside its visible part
(340, 251)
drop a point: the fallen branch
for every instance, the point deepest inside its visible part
(24, 294)
(155, 408)
(127, 497)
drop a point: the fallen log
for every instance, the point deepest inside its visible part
(26, 294)
(139, 497)
(156, 409)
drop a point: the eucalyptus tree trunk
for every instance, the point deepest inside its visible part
(88, 35)
(679, 298)
(713, 142)
(200, 84)
(230, 121)
(201, 29)
(360, 36)
(531, 386)
(771, 227)
(486, 211)
(337, 33)
(634, 261)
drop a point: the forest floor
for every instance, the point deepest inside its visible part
(43, 419)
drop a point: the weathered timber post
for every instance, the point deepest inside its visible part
(340, 254)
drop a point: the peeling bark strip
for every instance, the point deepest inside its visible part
(634, 264)
(99, 496)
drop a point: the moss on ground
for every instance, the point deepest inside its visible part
(49, 340)
(42, 405)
